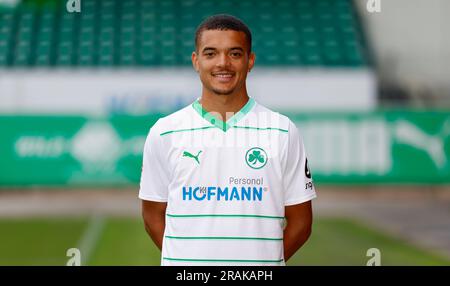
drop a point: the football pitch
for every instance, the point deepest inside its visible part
(123, 241)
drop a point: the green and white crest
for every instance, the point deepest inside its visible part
(256, 158)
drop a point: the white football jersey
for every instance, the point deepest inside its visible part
(226, 184)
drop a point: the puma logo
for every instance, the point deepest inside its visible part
(187, 154)
(433, 145)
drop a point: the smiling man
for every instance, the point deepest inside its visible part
(225, 181)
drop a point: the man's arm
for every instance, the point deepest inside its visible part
(298, 229)
(154, 214)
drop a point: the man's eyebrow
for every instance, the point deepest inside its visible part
(208, 49)
(214, 49)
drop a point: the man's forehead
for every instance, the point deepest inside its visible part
(223, 38)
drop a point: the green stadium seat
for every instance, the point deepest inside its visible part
(87, 35)
(64, 54)
(128, 36)
(148, 55)
(106, 35)
(127, 53)
(4, 52)
(5, 34)
(43, 57)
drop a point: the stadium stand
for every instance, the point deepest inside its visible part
(151, 33)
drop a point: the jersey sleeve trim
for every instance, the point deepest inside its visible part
(300, 200)
(153, 198)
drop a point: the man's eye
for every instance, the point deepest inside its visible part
(237, 54)
(209, 54)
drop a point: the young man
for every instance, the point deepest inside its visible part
(225, 181)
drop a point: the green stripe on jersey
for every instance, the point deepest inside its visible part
(236, 127)
(184, 130)
(223, 260)
(225, 215)
(223, 237)
(261, 128)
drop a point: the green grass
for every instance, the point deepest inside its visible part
(123, 241)
(345, 242)
(38, 241)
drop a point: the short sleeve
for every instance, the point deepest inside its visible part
(297, 180)
(155, 176)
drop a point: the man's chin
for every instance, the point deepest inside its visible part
(223, 92)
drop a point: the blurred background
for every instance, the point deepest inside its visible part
(366, 81)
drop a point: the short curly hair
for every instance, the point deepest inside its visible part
(223, 22)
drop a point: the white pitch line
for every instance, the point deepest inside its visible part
(90, 237)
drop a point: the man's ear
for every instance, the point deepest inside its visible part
(251, 61)
(194, 59)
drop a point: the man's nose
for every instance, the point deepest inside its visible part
(223, 60)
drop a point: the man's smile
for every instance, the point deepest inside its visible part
(223, 76)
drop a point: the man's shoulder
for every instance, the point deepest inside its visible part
(274, 116)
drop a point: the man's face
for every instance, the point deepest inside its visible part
(222, 61)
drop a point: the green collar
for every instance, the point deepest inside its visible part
(224, 126)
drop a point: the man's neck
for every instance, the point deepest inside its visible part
(224, 105)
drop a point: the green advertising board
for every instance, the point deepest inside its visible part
(378, 147)
(70, 150)
(348, 148)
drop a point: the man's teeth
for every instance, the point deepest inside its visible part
(223, 75)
